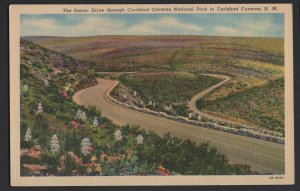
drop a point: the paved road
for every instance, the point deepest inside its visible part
(263, 156)
(195, 98)
(217, 118)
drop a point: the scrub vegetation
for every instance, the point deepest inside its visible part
(60, 138)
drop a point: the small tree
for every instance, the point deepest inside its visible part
(28, 136)
(54, 144)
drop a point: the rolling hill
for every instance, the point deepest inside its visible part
(250, 62)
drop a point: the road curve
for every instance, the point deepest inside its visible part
(195, 98)
(193, 107)
(262, 156)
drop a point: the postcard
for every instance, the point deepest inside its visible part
(152, 94)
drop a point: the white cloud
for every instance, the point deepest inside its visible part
(93, 25)
(174, 23)
(37, 26)
(164, 25)
(89, 26)
(249, 28)
(144, 28)
(258, 28)
(225, 30)
(104, 26)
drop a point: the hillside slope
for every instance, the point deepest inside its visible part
(132, 53)
(262, 105)
(61, 138)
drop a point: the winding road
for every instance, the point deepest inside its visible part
(195, 98)
(217, 118)
(262, 156)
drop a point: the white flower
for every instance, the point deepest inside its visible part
(95, 122)
(54, 144)
(81, 115)
(150, 102)
(28, 135)
(118, 135)
(40, 108)
(46, 83)
(85, 145)
(139, 139)
(134, 93)
(190, 115)
(25, 88)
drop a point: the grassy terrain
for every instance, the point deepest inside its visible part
(166, 88)
(164, 52)
(106, 155)
(250, 62)
(263, 105)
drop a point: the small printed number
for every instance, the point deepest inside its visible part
(276, 177)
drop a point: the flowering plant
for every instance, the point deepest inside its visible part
(86, 146)
(118, 135)
(28, 135)
(95, 122)
(54, 144)
(81, 115)
(139, 139)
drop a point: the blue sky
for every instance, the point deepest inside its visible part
(253, 25)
